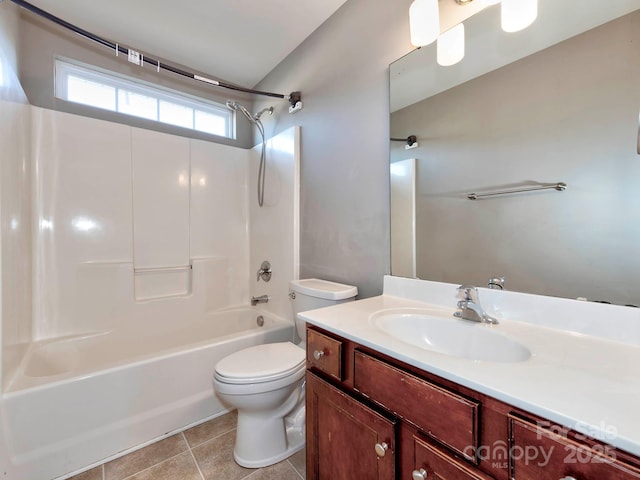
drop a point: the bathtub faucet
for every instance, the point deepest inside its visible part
(260, 299)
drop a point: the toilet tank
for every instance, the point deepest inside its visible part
(312, 293)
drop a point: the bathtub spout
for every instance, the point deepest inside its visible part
(260, 299)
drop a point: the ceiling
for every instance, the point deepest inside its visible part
(238, 41)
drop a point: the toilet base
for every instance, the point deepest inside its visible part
(295, 441)
(263, 439)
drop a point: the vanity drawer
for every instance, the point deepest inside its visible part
(432, 462)
(325, 353)
(540, 454)
(443, 415)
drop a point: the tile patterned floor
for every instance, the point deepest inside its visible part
(204, 452)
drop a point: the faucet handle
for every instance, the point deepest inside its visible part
(469, 293)
(264, 272)
(496, 283)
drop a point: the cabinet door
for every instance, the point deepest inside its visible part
(345, 438)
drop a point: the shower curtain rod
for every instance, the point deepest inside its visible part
(293, 97)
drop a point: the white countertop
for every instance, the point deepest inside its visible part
(584, 382)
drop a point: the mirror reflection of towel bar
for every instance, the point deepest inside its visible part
(560, 186)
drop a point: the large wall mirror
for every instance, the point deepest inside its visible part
(555, 103)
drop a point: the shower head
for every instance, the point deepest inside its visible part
(232, 105)
(235, 106)
(268, 110)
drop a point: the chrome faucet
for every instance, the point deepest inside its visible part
(469, 306)
(260, 299)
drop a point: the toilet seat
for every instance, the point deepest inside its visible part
(262, 363)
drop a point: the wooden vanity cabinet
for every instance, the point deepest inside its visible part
(433, 462)
(542, 451)
(345, 438)
(373, 417)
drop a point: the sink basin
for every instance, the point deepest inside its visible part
(438, 331)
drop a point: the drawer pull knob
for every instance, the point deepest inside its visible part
(381, 449)
(568, 478)
(318, 354)
(419, 474)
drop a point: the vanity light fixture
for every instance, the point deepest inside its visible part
(517, 15)
(424, 22)
(451, 46)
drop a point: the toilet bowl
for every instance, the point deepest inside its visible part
(266, 383)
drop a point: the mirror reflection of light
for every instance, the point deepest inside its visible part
(398, 170)
(85, 224)
(182, 180)
(203, 181)
(14, 222)
(46, 224)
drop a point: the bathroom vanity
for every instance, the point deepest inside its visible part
(382, 406)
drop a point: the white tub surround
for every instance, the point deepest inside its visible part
(275, 227)
(100, 396)
(581, 372)
(126, 277)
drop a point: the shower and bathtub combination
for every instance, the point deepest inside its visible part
(144, 252)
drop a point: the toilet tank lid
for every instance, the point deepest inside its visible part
(315, 287)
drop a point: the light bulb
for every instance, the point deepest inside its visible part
(424, 22)
(517, 15)
(451, 46)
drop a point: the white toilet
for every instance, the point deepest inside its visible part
(266, 383)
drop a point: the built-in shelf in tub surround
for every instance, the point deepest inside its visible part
(161, 179)
(578, 374)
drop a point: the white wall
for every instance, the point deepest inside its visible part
(112, 202)
(274, 227)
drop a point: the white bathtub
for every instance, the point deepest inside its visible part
(79, 400)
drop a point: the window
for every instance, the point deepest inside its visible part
(98, 88)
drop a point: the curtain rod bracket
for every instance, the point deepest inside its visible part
(294, 98)
(295, 102)
(411, 141)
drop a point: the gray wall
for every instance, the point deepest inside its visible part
(342, 71)
(568, 113)
(11, 89)
(41, 41)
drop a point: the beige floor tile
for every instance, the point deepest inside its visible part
(215, 459)
(182, 467)
(211, 429)
(299, 462)
(279, 471)
(93, 474)
(144, 458)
